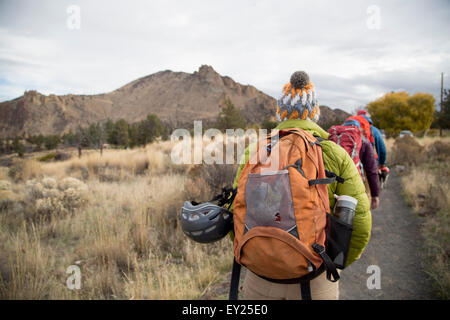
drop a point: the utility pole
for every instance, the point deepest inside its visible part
(442, 88)
(442, 96)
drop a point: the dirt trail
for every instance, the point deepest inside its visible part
(394, 247)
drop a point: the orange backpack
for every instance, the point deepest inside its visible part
(280, 211)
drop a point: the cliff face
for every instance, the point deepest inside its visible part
(34, 113)
(178, 98)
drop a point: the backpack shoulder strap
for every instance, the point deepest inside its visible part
(319, 139)
(331, 177)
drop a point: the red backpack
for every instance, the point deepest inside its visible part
(365, 126)
(349, 138)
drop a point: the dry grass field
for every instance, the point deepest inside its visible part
(116, 217)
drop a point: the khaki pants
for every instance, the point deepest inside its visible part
(256, 288)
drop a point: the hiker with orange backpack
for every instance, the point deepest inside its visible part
(278, 248)
(352, 138)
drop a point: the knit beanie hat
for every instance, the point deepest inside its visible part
(298, 99)
(361, 112)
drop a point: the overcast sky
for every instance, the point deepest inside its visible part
(354, 51)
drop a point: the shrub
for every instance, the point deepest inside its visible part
(436, 252)
(61, 156)
(432, 133)
(4, 173)
(195, 189)
(216, 176)
(18, 147)
(439, 150)
(407, 151)
(47, 157)
(398, 111)
(50, 198)
(7, 199)
(49, 183)
(51, 141)
(268, 124)
(5, 185)
(230, 117)
(23, 170)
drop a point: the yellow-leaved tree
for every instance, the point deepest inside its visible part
(399, 111)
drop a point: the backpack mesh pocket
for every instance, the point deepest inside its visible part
(269, 201)
(339, 235)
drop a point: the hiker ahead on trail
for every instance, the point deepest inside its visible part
(354, 139)
(379, 147)
(378, 140)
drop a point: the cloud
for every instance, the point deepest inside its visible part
(254, 42)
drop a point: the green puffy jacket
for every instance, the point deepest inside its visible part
(337, 160)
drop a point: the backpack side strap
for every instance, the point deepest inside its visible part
(332, 274)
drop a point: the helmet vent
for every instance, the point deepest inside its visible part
(210, 229)
(194, 217)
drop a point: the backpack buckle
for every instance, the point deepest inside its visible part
(318, 248)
